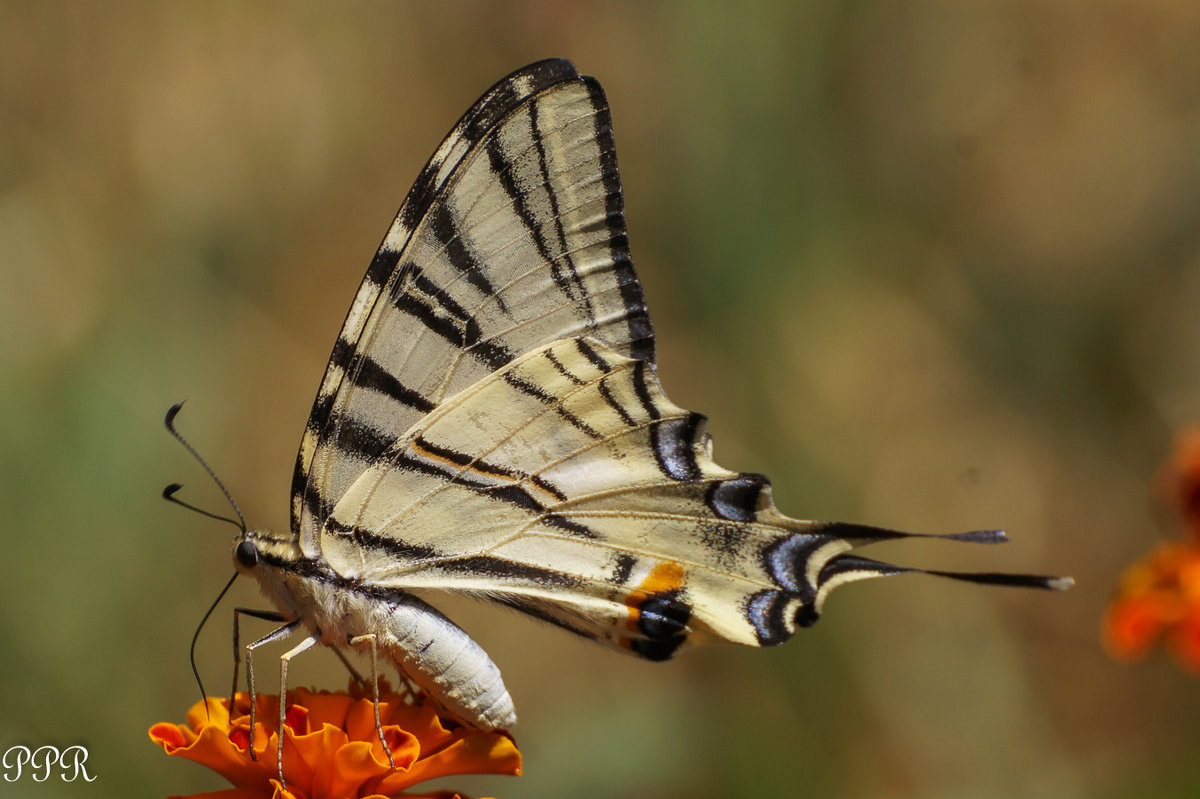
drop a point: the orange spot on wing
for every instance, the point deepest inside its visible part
(666, 576)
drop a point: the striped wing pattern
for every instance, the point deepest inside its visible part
(567, 485)
(513, 236)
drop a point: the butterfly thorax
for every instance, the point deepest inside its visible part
(276, 562)
(306, 589)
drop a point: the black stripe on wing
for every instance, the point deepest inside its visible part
(495, 104)
(524, 210)
(641, 332)
(575, 290)
(461, 257)
(366, 372)
(433, 307)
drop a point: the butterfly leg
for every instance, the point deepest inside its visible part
(284, 659)
(274, 635)
(410, 687)
(265, 615)
(355, 641)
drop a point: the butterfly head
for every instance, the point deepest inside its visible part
(245, 555)
(255, 549)
(275, 562)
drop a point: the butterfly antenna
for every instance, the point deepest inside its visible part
(169, 491)
(196, 637)
(168, 494)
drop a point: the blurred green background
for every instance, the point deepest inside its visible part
(931, 265)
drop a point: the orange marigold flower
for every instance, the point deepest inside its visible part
(1158, 597)
(331, 748)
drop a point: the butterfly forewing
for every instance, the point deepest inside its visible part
(513, 237)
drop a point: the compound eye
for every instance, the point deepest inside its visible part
(246, 554)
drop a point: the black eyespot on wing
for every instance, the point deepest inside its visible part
(657, 650)
(786, 561)
(674, 445)
(663, 615)
(775, 615)
(807, 615)
(736, 499)
(767, 613)
(663, 619)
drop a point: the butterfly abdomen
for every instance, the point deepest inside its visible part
(429, 649)
(441, 658)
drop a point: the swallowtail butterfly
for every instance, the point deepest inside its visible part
(491, 423)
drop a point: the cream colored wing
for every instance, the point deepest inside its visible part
(512, 237)
(568, 486)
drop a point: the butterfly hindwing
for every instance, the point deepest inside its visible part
(512, 237)
(567, 485)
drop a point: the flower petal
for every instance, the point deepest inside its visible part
(212, 748)
(475, 753)
(324, 708)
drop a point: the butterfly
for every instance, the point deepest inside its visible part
(491, 423)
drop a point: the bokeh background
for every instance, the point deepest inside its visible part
(931, 265)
